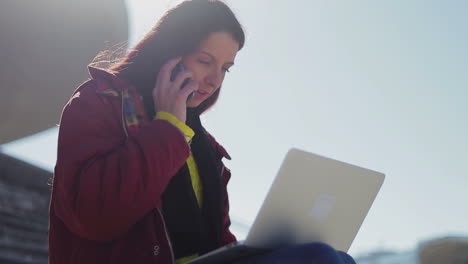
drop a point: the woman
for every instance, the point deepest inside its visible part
(138, 179)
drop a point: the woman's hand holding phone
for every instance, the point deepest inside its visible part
(171, 95)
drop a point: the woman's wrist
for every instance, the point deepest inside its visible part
(186, 130)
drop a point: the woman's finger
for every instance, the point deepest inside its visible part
(191, 87)
(180, 79)
(164, 75)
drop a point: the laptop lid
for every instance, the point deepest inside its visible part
(314, 198)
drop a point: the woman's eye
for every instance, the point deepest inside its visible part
(204, 62)
(207, 62)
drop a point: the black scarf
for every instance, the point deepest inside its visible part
(195, 230)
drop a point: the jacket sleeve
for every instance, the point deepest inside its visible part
(104, 182)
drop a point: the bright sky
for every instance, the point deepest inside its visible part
(379, 84)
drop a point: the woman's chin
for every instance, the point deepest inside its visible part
(193, 103)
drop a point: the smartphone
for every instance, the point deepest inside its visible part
(178, 69)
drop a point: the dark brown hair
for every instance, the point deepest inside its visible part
(178, 33)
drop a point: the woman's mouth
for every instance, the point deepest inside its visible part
(200, 94)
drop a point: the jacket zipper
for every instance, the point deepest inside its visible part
(167, 236)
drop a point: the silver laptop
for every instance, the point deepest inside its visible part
(312, 199)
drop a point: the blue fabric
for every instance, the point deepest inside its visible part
(311, 253)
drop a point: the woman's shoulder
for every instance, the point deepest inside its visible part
(107, 82)
(98, 95)
(101, 84)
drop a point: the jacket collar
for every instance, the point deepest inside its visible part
(223, 152)
(117, 84)
(219, 149)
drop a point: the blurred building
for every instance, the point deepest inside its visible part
(388, 257)
(450, 250)
(444, 250)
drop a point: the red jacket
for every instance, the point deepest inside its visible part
(105, 205)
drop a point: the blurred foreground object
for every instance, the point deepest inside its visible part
(448, 250)
(45, 48)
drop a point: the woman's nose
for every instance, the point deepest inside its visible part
(215, 79)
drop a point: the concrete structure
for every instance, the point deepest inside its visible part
(45, 48)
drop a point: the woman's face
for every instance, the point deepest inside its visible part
(209, 64)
